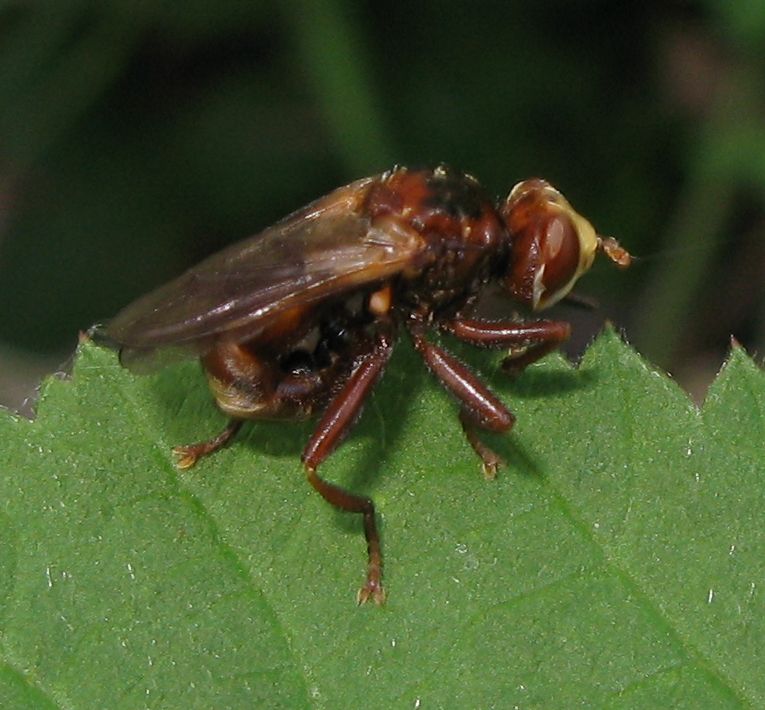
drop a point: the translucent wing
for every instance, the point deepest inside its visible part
(327, 248)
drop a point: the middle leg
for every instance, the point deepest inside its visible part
(338, 418)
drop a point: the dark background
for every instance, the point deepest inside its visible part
(138, 137)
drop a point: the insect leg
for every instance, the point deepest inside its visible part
(335, 423)
(188, 455)
(536, 339)
(490, 460)
(480, 406)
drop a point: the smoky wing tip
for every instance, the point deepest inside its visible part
(100, 335)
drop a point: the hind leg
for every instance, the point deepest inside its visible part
(188, 455)
(246, 386)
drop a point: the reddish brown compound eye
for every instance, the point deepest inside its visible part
(559, 252)
(552, 245)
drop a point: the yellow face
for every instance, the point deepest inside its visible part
(587, 240)
(552, 245)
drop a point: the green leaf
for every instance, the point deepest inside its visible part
(617, 561)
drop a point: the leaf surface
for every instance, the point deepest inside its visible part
(617, 561)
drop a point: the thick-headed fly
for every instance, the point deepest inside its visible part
(302, 318)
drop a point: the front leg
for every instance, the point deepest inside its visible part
(535, 339)
(480, 407)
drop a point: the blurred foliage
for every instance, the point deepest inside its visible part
(138, 137)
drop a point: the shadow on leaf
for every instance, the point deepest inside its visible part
(536, 383)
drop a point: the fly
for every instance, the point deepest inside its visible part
(301, 319)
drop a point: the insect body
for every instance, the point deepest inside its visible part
(302, 318)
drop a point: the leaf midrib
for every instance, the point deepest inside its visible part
(228, 552)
